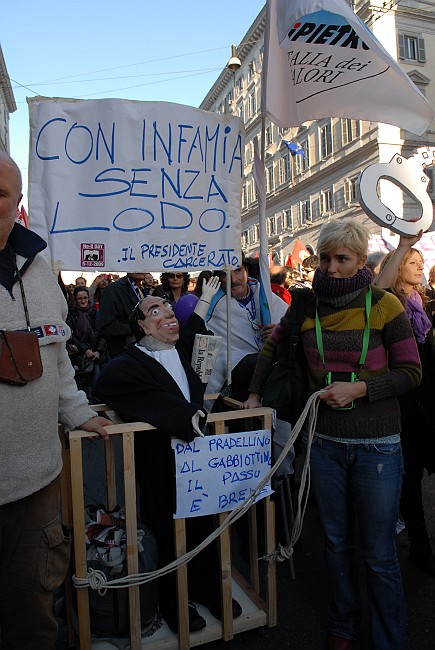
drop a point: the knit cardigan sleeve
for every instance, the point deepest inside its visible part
(404, 367)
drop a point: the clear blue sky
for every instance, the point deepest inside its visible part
(144, 50)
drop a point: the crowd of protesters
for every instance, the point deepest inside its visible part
(368, 337)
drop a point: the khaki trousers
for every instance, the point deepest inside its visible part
(34, 556)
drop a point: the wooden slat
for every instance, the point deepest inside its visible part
(66, 511)
(253, 548)
(269, 513)
(227, 593)
(109, 457)
(131, 534)
(77, 499)
(182, 587)
(240, 414)
(219, 427)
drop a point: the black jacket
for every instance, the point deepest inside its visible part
(138, 388)
(117, 302)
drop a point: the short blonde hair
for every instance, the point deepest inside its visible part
(347, 232)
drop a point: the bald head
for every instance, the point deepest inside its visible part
(6, 160)
(10, 196)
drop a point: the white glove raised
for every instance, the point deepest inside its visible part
(195, 423)
(209, 289)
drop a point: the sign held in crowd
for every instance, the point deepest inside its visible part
(126, 185)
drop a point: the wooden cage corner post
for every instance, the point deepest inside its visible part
(78, 511)
(66, 515)
(131, 534)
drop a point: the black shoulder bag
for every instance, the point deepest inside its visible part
(286, 387)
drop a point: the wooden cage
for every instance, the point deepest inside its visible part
(258, 613)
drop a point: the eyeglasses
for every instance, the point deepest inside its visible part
(173, 276)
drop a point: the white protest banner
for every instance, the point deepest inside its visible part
(321, 60)
(133, 186)
(216, 473)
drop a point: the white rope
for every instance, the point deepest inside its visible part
(95, 579)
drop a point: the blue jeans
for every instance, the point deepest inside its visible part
(363, 482)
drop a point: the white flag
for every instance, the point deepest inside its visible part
(321, 60)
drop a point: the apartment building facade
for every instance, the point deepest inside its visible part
(7, 104)
(304, 191)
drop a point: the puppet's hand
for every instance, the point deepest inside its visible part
(209, 289)
(195, 423)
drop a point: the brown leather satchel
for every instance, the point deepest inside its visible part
(20, 358)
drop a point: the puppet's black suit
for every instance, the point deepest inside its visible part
(139, 389)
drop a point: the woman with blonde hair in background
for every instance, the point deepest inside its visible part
(401, 271)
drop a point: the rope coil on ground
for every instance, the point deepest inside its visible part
(95, 579)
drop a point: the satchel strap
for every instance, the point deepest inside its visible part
(296, 318)
(23, 295)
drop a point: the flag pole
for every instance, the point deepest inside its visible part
(260, 182)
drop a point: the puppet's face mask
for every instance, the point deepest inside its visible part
(159, 321)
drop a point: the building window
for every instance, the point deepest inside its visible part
(245, 238)
(251, 70)
(350, 190)
(325, 140)
(305, 211)
(327, 201)
(252, 104)
(268, 135)
(411, 48)
(302, 163)
(245, 195)
(269, 179)
(249, 151)
(241, 111)
(284, 169)
(350, 130)
(252, 193)
(271, 226)
(255, 233)
(239, 84)
(287, 220)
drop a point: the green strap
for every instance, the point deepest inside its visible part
(366, 336)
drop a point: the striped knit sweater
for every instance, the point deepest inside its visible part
(392, 365)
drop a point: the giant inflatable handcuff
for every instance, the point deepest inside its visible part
(408, 174)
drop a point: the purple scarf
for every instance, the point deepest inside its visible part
(419, 320)
(325, 286)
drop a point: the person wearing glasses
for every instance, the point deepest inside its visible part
(361, 354)
(173, 286)
(153, 381)
(401, 272)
